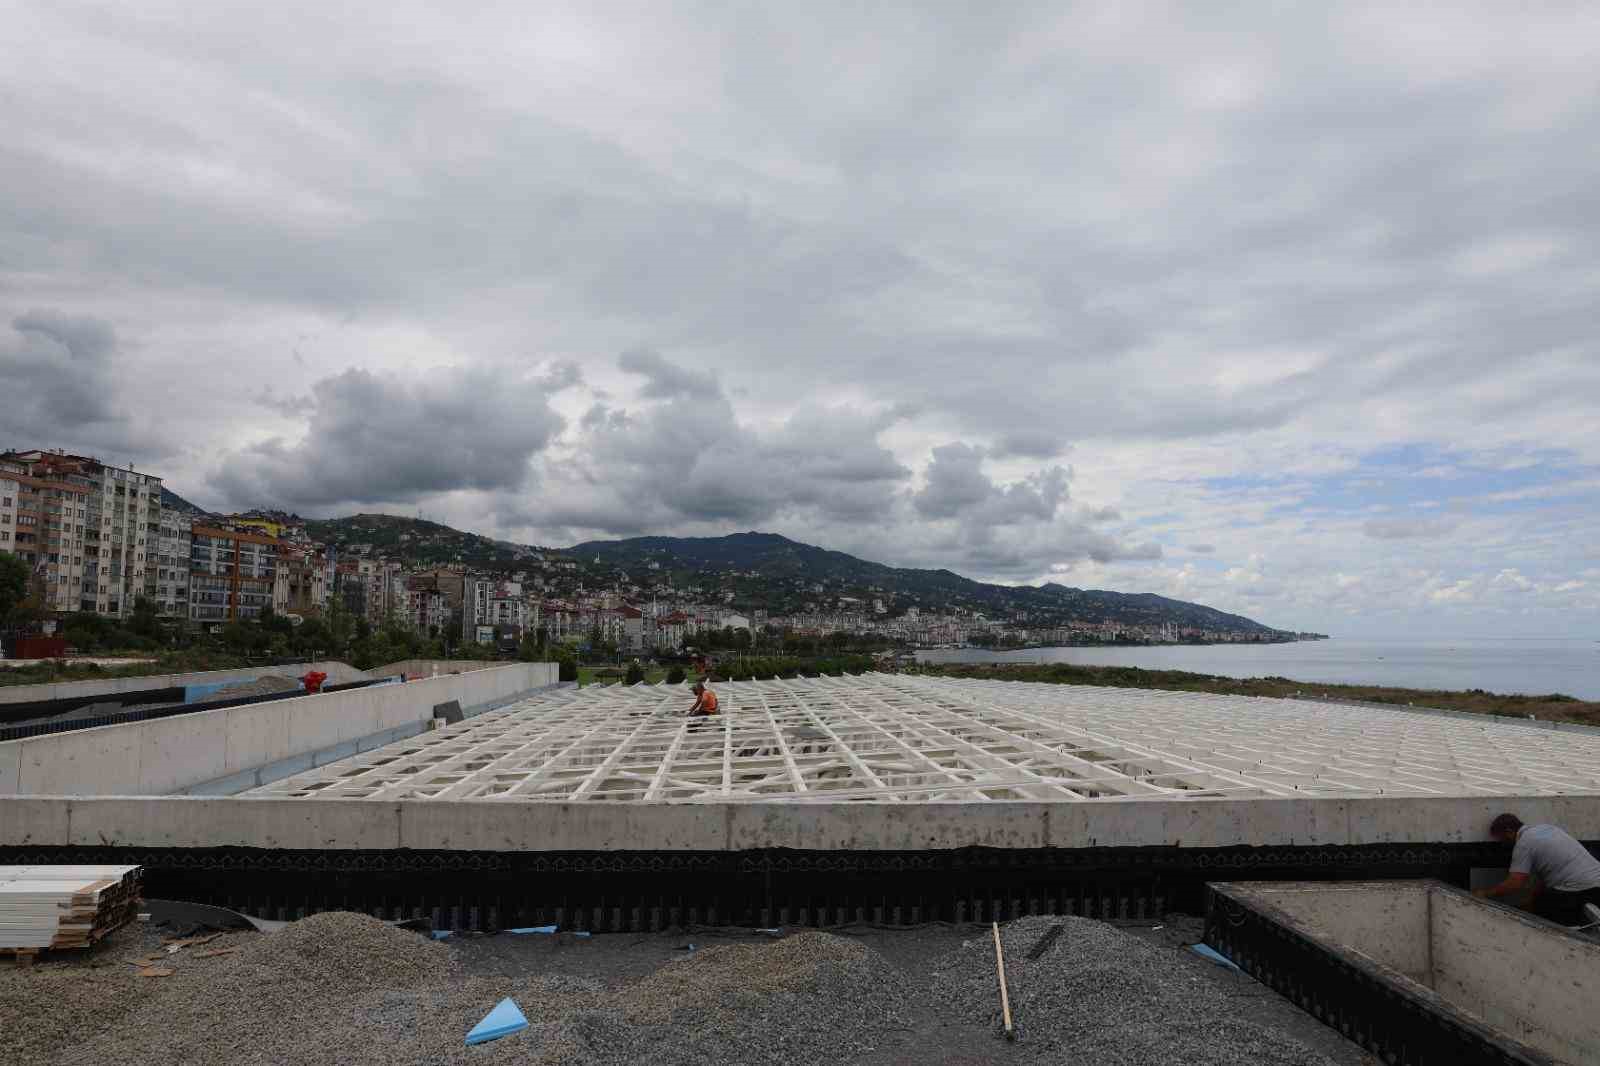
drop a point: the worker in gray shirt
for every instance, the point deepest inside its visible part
(1566, 878)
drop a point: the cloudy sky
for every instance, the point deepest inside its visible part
(1293, 310)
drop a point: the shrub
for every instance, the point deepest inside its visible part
(675, 676)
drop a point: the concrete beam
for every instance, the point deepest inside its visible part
(470, 825)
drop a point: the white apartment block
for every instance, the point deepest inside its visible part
(171, 569)
(10, 493)
(492, 603)
(86, 528)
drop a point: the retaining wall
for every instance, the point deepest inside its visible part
(1529, 980)
(426, 667)
(338, 674)
(167, 755)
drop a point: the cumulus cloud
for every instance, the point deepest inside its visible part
(1271, 260)
(666, 380)
(381, 438)
(64, 387)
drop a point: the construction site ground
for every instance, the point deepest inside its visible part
(344, 988)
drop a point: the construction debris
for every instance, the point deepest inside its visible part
(505, 1019)
(64, 906)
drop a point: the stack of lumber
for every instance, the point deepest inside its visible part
(64, 906)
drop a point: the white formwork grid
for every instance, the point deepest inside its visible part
(909, 739)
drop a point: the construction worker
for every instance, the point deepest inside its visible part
(1565, 877)
(705, 702)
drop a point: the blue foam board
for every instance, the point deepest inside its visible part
(1206, 951)
(505, 1019)
(532, 929)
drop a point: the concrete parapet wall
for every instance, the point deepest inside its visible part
(426, 667)
(338, 674)
(168, 755)
(469, 825)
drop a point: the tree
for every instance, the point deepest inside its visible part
(635, 672)
(675, 676)
(146, 621)
(13, 585)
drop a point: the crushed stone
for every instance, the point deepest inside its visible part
(1098, 993)
(812, 997)
(342, 989)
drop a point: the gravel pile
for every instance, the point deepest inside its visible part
(812, 997)
(290, 996)
(1098, 993)
(44, 1008)
(267, 685)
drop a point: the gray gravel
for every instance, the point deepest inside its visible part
(348, 989)
(812, 997)
(1099, 994)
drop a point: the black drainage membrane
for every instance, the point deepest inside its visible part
(628, 891)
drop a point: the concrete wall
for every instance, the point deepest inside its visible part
(426, 667)
(195, 821)
(1523, 977)
(338, 674)
(1385, 921)
(166, 755)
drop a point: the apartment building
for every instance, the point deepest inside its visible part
(86, 528)
(302, 581)
(231, 574)
(170, 589)
(10, 492)
(491, 605)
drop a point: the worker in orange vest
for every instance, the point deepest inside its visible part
(705, 702)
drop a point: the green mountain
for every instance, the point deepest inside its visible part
(763, 571)
(786, 575)
(171, 501)
(417, 542)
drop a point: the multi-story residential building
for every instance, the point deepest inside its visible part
(172, 560)
(427, 610)
(231, 574)
(302, 581)
(81, 525)
(10, 493)
(492, 605)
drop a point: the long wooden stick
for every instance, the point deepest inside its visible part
(1005, 996)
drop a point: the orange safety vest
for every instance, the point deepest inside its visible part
(708, 702)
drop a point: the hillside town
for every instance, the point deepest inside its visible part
(100, 539)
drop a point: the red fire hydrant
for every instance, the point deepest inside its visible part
(313, 680)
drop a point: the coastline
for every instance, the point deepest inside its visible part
(1551, 707)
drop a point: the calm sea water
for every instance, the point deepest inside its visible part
(1498, 665)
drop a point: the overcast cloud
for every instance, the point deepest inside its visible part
(1287, 310)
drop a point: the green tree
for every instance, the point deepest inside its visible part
(13, 585)
(146, 621)
(635, 672)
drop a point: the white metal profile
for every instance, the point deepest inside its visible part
(911, 739)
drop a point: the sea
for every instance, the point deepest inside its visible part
(1535, 666)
